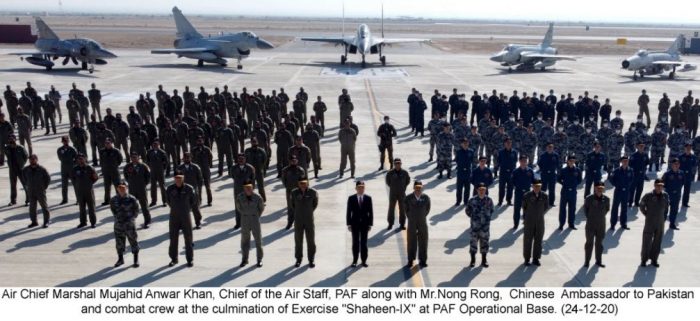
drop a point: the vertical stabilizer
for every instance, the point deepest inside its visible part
(547, 41)
(44, 31)
(382, 20)
(184, 27)
(675, 47)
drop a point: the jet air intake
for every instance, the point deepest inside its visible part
(625, 64)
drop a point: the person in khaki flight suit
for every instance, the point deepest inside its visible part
(250, 206)
(417, 208)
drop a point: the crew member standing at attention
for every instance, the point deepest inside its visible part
(569, 178)
(654, 206)
(84, 177)
(479, 209)
(125, 209)
(465, 158)
(596, 207)
(37, 181)
(250, 206)
(643, 102)
(386, 133)
(673, 183)
(359, 219)
(182, 200)
(417, 209)
(522, 178)
(397, 179)
(535, 205)
(303, 204)
(548, 164)
(507, 158)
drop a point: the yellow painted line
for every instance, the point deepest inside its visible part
(416, 276)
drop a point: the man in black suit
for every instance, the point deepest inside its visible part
(360, 217)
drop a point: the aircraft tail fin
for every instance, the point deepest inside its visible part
(675, 47)
(382, 20)
(547, 41)
(184, 27)
(44, 31)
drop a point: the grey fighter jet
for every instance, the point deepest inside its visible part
(530, 57)
(647, 62)
(191, 44)
(363, 42)
(50, 47)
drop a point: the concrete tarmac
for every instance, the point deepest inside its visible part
(64, 256)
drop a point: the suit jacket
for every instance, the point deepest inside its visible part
(360, 217)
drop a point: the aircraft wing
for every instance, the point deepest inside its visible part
(547, 56)
(668, 63)
(391, 41)
(36, 53)
(181, 51)
(334, 40)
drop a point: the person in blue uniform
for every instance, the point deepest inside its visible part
(569, 177)
(464, 157)
(482, 174)
(595, 161)
(507, 157)
(674, 180)
(689, 165)
(621, 178)
(639, 162)
(548, 163)
(522, 178)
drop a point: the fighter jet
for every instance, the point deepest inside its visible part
(647, 62)
(51, 47)
(530, 57)
(363, 42)
(191, 44)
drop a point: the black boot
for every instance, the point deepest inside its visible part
(449, 174)
(120, 260)
(136, 260)
(472, 263)
(484, 263)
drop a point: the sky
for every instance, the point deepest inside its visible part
(625, 11)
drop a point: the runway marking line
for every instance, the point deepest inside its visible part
(416, 272)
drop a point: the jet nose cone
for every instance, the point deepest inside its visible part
(105, 54)
(625, 64)
(264, 44)
(497, 58)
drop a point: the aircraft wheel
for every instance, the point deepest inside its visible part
(200, 63)
(510, 69)
(672, 75)
(634, 77)
(343, 58)
(383, 60)
(363, 64)
(84, 66)
(239, 67)
(48, 68)
(542, 69)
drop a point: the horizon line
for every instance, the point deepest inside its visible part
(34, 13)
